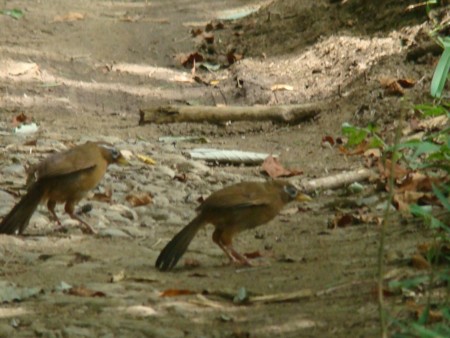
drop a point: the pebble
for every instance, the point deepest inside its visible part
(125, 211)
(75, 331)
(6, 330)
(15, 169)
(112, 232)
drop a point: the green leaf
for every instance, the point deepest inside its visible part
(441, 197)
(430, 110)
(13, 13)
(440, 74)
(423, 332)
(241, 296)
(354, 134)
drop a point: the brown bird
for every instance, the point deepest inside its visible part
(231, 210)
(64, 177)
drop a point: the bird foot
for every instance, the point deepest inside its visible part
(87, 229)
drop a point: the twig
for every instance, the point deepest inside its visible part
(292, 114)
(335, 181)
(386, 216)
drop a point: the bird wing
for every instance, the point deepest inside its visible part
(73, 160)
(239, 196)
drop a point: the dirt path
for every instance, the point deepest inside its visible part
(87, 79)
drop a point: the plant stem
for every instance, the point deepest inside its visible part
(386, 216)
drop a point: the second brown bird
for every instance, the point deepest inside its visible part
(63, 177)
(231, 210)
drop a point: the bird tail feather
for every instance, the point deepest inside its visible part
(20, 215)
(175, 249)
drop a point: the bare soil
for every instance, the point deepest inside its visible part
(88, 78)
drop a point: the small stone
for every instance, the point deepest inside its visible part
(75, 331)
(111, 232)
(163, 171)
(125, 211)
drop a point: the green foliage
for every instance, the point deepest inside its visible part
(358, 135)
(430, 110)
(441, 71)
(13, 13)
(429, 155)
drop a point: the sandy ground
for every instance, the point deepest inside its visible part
(88, 78)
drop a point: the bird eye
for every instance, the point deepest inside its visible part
(291, 190)
(115, 153)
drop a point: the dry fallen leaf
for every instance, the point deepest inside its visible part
(328, 141)
(208, 37)
(188, 60)
(402, 200)
(176, 292)
(399, 172)
(253, 254)
(434, 316)
(118, 277)
(419, 262)
(146, 159)
(71, 16)
(139, 198)
(361, 148)
(21, 118)
(278, 87)
(395, 86)
(103, 197)
(274, 169)
(191, 263)
(233, 57)
(81, 291)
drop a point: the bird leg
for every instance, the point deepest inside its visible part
(228, 249)
(70, 210)
(51, 207)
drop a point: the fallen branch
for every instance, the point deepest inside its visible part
(221, 115)
(338, 180)
(283, 297)
(228, 156)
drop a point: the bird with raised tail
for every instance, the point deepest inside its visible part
(64, 177)
(231, 210)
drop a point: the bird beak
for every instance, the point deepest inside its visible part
(122, 160)
(303, 198)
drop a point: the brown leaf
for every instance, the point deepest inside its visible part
(103, 197)
(328, 140)
(209, 37)
(180, 177)
(402, 200)
(253, 254)
(187, 60)
(21, 118)
(343, 220)
(233, 57)
(406, 83)
(434, 316)
(196, 32)
(358, 150)
(191, 263)
(81, 291)
(274, 169)
(399, 172)
(32, 143)
(198, 275)
(176, 292)
(418, 182)
(395, 86)
(139, 198)
(419, 262)
(69, 17)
